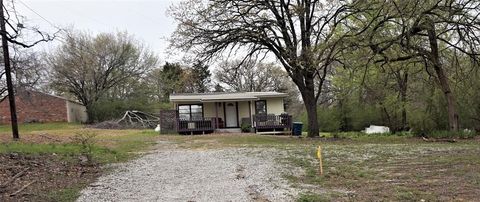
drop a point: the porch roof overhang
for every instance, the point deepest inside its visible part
(229, 100)
(224, 97)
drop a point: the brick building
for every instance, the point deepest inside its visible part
(33, 106)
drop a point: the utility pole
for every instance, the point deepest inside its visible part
(8, 73)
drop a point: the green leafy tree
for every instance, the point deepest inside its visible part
(201, 77)
(171, 79)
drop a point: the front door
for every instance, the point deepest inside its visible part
(231, 118)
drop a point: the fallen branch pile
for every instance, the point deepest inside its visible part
(131, 119)
(139, 119)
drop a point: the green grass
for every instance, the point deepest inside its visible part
(30, 148)
(128, 146)
(108, 149)
(67, 151)
(312, 197)
(40, 127)
(66, 194)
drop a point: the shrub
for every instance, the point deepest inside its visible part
(87, 141)
(463, 134)
(246, 127)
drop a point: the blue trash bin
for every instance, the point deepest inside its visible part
(297, 128)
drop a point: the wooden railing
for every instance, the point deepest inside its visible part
(271, 121)
(262, 122)
(202, 124)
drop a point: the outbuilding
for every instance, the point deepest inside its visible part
(34, 106)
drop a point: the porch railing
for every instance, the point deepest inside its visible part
(196, 125)
(262, 122)
(271, 121)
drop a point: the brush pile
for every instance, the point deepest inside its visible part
(130, 120)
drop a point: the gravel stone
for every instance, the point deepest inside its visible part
(233, 174)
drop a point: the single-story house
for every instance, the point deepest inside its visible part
(207, 112)
(34, 106)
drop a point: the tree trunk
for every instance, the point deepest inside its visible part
(311, 107)
(344, 119)
(90, 113)
(404, 113)
(403, 99)
(386, 117)
(451, 101)
(443, 80)
(308, 94)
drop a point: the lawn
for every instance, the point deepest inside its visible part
(40, 127)
(356, 167)
(412, 172)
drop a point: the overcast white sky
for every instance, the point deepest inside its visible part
(145, 19)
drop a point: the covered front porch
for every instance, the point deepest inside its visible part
(216, 114)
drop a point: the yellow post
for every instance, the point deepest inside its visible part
(319, 156)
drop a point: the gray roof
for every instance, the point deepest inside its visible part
(19, 91)
(213, 97)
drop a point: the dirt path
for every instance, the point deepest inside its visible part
(242, 174)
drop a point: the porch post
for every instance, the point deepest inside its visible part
(250, 112)
(177, 118)
(216, 115)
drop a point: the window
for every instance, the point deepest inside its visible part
(196, 112)
(261, 107)
(184, 112)
(190, 112)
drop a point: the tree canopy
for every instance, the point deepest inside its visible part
(312, 39)
(88, 66)
(300, 34)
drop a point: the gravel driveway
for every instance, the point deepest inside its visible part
(241, 174)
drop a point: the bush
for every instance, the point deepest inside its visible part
(87, 141)
(246, 127)
(463, 134)
(328, 119)
(333, 119)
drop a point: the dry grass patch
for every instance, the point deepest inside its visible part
(367, 172)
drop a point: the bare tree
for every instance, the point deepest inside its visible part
(13, 30)
(300, 34)
(27, 68)
(87, 67)
(28, 72)
(251, 76)
(426, 31)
